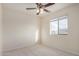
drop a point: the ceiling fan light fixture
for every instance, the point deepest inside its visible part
(37, 10)
(42, 11)
(41, 8)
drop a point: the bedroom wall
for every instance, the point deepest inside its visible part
(19, 29)
(68, 43)
(0, 29)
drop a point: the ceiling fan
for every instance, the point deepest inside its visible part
(41, 7)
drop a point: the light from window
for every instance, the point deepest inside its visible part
(54, 26)
(63, 25)
(59, 25)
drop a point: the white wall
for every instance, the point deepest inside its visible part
(19, 29)
(0, 29)
(70, 42)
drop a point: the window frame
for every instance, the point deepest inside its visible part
(58, 19)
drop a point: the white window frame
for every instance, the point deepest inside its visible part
(61, 18)
(58, 19)
(51, 33)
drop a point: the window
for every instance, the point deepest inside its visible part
(54, 26)
(59, 25)
(63, 25)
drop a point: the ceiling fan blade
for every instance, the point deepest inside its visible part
(30, 8)
(49, 4)
(46, 10)
(37, 3)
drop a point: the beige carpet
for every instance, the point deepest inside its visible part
(38, 50)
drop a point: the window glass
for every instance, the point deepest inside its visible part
(63, 25)
(54, 26)
(59, 25)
